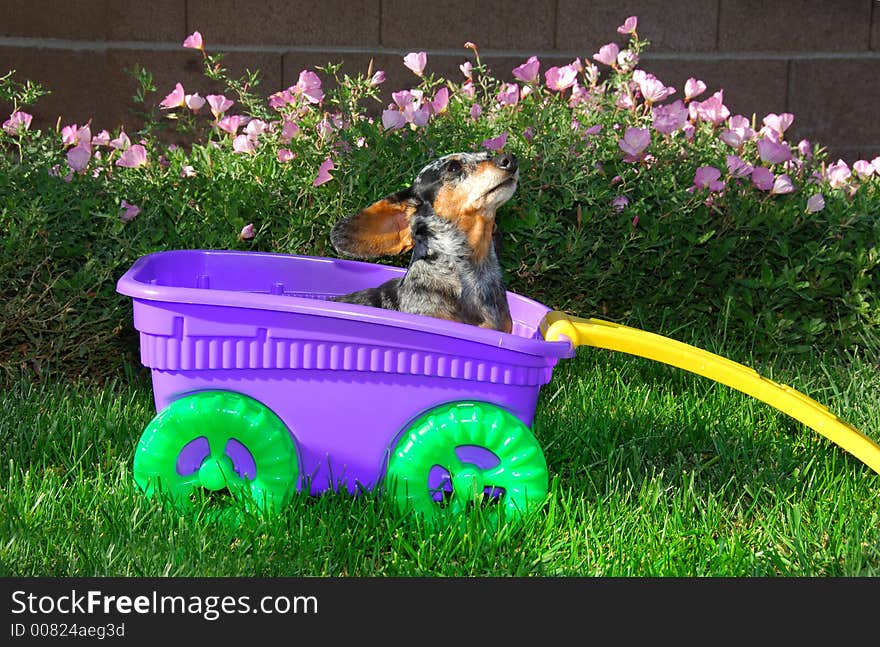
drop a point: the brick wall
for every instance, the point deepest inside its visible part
(819, 59)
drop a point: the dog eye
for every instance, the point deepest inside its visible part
(454, 167)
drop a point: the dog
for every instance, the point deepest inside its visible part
(447, 219)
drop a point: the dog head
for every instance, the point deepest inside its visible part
(463, 188)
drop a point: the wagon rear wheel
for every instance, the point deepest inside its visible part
(216, 440)
(464, 454)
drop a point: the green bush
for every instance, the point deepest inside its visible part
(630, 206)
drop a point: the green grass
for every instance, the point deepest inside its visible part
(654, 472)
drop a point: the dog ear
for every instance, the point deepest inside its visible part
(382, 229)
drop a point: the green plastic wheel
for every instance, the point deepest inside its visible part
(464, 454)
(218, 440)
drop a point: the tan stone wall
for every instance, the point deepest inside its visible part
(819, 59)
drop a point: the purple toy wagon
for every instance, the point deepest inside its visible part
(262, 384)
(266, 388)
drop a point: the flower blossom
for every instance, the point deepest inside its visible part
(194, 102)
(560, 78)
(495, 143)
(864, 169)
(620, 203)
(78, 157)
(772, 152)
(634, 143)
(629, 25)
(669, 118)
(243, 144)
(194, 41)
(627, 60)
(467, 69)
(738, 131)
(101, 139)
(230, 124)
(285, 155)
(778, 123)
(528, 72)
(782, 184)
(607, 54)
(309, 86)
(133, 157)
(378, 78)
(708, 177)
(737, 167)
(509, 94)
(18, 120)
(219, 104)
(440, 101)
(711, 110)
(838, 174)
(324, 172)
(129, 211)
(815, 203)
(174, 99)
(416, 62)
(247, 232)
(693, 88)
(763, 178)
(120, 143)
(652, 89)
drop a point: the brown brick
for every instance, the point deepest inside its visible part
(875, 26)
(279, 22)
(77, 81)
(755, 86)
(514, 24)
(151, 20)
(794, 25)
(670, 26)
(833, 102)
(71, 19)
(850, 154)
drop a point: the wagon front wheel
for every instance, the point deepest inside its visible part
(464, 454)
(217, 440)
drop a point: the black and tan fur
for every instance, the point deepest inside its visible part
(447, 218)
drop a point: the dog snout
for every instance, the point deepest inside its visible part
(506, 162)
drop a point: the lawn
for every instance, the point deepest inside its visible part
(654, 472)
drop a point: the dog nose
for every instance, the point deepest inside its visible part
(506, 162)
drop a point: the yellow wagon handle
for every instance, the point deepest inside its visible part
(604, 334)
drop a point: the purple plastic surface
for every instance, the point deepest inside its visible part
(346, 379)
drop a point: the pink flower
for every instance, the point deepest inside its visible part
(174, 99)
(476, 111)
(669, 118)
(652, 89)
(712, 109)
(634, 143)
(129, 211)
(324, 172)
(68, 135)
(779, 123)
(509, 94)
(467, 69)
(620, 203)
(255, 128)
(18, 121)
(693, 88)
(528, 134)
(805, 149)
(782, 184)
(708, 177)
(763, 178)
(378, 78)
(243, 144)
(416, 61)
(187, 171)
(560, 78)
(607, 54)
(230, 124)
(773, 152)
(528, 71)
(738, 131)
(121, 143)
(219, 104)
(629, 25)
(393, 119)
(289, 130)
(194, 41)
(627, 60)
(496, 143)
(863, 169)
(309, 85)
(133, 157)
(247, 232)
(815, 203)
(737, 167)
(468, 89)
(78, 157)
(440, 101)
(838, 174)
(101, 139)
(194, 102)
(285, 155)
(876, 164)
